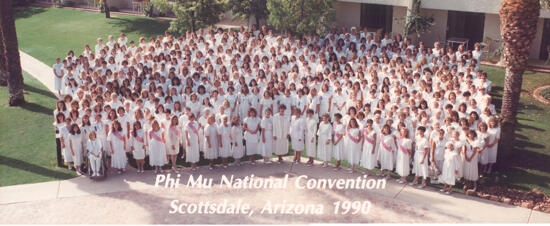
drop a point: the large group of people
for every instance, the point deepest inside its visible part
(371, 100)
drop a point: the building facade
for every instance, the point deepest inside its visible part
(472, 20)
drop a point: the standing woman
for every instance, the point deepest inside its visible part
(59, 124)
(353, 145)
(388, 146)
(420, 164)
(324, 147)
(75, 145)
(157, 153)
(297, 134)
(402, 166)
(211, 144)
(251, 127)
(311, 135)
(451, 165)
(483, 137)
(224, 138)
(137, 142)
(492, 145)
(173, 142)
(339, 130)
(281, 128)
(192, 141)
(237, 140)
(117, 142)
(471, 159)
(267, 135)
(95, 149)
(368, 155)
(65, 133)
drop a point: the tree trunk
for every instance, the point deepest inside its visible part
(257, 20)
(11, 51)
(518, 20)
(3, 66)
(107, 10)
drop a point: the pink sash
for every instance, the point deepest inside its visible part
(175, 130)
(366, 136)
(355, 140)
(190, 125)
(388, 148)
(403, 149)
(335, 133)
(139, 139)
(155, 136)
(120, 137)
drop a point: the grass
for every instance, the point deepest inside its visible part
(27, 151)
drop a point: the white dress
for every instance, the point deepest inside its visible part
(402, 166)
(297, 133)
(420, 169)
(58, 80)
(470, 167)
(211, 132)
(138, 142)
(118, 160)
(267, 146)
(311, 134)
(94, 148)
(450, 165)
(237, 139)
(252, 140)
(324, 150)
(338, 149)
(192, 149)
(172, 140)
(353, 146)
(484, 154)
(494, 133)
(281, 128)
(67, 155)
(387, 147)
(225, 149)
(157, 153)
(76, 140)
(368, 156)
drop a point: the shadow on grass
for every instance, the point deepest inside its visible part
(39, 91)
(37, 108)
(25, 166)
(145, 26)
(26, 12)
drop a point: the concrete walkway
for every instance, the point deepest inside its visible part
(133, 198)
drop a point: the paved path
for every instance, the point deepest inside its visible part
(133, 198)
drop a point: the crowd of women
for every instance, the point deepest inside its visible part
(373, 101)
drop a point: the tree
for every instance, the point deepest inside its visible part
(245, 9)
(415, 22)
(191, 15)
(11, 53)
(301, 17)
(518, 27)
(3, 66)
(107, 10)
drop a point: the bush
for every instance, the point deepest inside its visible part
(21, 3)
(68, 3)
(545, 93)
(148, 9)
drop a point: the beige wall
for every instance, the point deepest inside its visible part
(438, 31)
(398, 23)
(348, 14)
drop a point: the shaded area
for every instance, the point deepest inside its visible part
(25, 166)
(145, 26)
(26, 12)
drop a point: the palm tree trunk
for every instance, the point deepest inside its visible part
(11, 51)
(107, 10)
(3, 66)
(518, 20)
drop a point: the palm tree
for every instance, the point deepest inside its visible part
(107, 10)
(11, 53)
(3, 66)
(518, 20)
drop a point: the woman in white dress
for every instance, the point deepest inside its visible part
(402, 165)
(353, 144)
(483, 136)
(266, 144)
(137, 142)
(224, 137)
(94, 147)
(324, 145)
(173, 141)
(492, 146)
(64, 133)
(437, 150)
(211, 144)
(76, 148)
(237, 147)
(251, 126)
(157, 153)
(388, 146)
(368, 154)
(471, 159)
(297, 134)
(281, 128)
(339, 130)
(451, 165)
(311, 135)
(117, 142)
(420, 162)
(192, 141)
(58, 75)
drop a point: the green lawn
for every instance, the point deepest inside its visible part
(27, 152)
